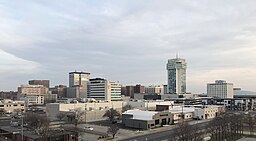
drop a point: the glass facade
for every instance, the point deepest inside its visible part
(176, 76)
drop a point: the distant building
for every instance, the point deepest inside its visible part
(176, 76)
(60, 90)
(9, 105)
(232, 104)
(40, 99)
(98, 89)
(165, 89)
(220, 89)
(154, 89)
(239, 93)
(102, 89)
(45, 83)
(154, 96)
(8, 95)
(123, 91)
(130, 91)
(115, 90)
(33, 100)
(76, 92)
(32, 89)
(78, 81)
(139, 89)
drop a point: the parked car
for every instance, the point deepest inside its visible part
(88, 128)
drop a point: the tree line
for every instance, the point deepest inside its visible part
(226, 126)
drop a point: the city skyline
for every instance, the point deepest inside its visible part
(128, 41)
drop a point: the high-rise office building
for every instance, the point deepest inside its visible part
(78, 84)
(176, 76)
(45, 83)
(115, 90)
(220, 89)
(79, 79)
(102, 89)
(60, 90)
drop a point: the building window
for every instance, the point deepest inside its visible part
(156, 121)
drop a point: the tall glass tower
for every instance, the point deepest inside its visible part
(176, 69)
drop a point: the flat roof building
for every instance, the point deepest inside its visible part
(32, 89)
(146, 119)
(102, 89)
(220, 89)
(45, 83)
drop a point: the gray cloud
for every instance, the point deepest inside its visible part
(130, 41)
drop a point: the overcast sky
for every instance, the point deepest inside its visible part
(128, 40)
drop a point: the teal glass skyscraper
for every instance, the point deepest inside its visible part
(176, 69)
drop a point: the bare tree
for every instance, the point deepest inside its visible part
(76, 117)
(37, 122)
(226, 126)
(112, 114)
(196, 133)
(214, 128)
(2, 112)
(113, 130)
(183, 131)
(249, 121)
(61, 116)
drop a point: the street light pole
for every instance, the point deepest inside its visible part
(85, 113)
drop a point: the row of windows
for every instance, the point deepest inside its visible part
(11, 105)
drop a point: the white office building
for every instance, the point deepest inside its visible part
(102, 89)
(220, 89)
(176, 76)
(115, 90)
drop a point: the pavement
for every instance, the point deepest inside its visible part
(123, 133)
(247, 139)
(128, 134)
(160, 134)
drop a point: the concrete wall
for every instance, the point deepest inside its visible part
(206, 113)
(94, 111)
(178, 116)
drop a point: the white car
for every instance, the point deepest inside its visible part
(88, 128)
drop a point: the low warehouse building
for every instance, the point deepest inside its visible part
(146, 119)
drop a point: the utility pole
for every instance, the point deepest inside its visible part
(22, 124)
(182, 114)
(85, 113)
